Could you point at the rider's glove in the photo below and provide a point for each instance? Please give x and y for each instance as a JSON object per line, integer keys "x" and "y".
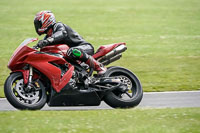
{"x": 46, "y": 42}
{"x": 42, "y": 43}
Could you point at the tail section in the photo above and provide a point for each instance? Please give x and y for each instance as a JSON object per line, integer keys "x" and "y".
{"x": 113, "y": 55}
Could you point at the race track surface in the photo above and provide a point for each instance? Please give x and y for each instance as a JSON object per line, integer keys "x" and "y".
{"x": 150, "y": 100}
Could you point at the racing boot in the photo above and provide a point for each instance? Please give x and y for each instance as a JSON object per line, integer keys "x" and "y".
{"x": 97, "y": 66}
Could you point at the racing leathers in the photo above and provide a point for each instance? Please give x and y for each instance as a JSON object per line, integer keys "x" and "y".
{"x": 79, "y": 48}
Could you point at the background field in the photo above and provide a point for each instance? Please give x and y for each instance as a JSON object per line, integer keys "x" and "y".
{"x": 163, "y": 36}
{"x": 184, "y": 120}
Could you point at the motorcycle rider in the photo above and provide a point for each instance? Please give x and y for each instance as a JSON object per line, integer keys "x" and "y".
{"x": 59, "y": 33}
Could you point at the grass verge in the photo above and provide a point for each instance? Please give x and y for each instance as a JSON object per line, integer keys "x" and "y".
{"x": 181, "y": 120}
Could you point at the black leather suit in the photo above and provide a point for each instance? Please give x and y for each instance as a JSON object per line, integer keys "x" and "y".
{"x": 63, "y": 34}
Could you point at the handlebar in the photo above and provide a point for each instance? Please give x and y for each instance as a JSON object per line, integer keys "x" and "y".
{"x": 35, "y": 47}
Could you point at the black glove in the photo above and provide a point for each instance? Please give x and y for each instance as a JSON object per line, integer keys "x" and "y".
{"x": 42, "y": 43}
{"x": 46, "y": 42}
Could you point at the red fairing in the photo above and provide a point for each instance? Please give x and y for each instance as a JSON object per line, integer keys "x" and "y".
{"x": 65, "y": 79}
{"x": 103, "y": 50}
{"x": 17, "y": 60}
{"x": 42, "y": 62}
{"x": 59, "y": 49}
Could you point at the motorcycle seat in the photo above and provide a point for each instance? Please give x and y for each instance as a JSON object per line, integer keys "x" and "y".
{"x": 103, "y": 50}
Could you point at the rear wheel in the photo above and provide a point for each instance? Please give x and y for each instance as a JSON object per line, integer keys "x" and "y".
{"x": 133, "y": 94}
{"x": 16, "y": 94}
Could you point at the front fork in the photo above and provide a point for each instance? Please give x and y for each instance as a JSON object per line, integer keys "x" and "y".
{"x": 30, "y": 74}
{"x": 27, "y": 75}
{"x": 30, "y": 77}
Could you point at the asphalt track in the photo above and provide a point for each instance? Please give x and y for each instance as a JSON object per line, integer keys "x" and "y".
{"x": 150, "y": 100}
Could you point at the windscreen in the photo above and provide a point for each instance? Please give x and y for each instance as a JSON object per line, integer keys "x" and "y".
{"x": 27, "y": 41}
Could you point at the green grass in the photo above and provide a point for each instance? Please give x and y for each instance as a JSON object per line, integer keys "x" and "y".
{"x": 185, "y": 120}
{"x": 163, "y": 36}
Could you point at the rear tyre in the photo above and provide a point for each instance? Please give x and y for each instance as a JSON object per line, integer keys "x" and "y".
{"x": 132, "y": 97}
{"x": 15, "y": 93}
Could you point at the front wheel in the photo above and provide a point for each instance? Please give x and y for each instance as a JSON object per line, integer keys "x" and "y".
{"x": 132, "y": 96}
{"x": 16, "y": 94}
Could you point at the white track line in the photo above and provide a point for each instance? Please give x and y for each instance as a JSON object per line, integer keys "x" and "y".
{"x": 167, "y": 92}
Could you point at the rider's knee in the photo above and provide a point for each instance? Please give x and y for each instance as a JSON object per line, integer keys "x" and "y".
{"x": 74, "y": 53}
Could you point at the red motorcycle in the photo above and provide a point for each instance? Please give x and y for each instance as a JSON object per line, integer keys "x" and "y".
{"x": 48, "y": 76}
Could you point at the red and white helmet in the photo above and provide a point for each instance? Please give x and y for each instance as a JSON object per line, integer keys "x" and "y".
{"x": 43, "y": 21}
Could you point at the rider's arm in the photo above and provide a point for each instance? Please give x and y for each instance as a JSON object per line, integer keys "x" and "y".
{"x": 59, "y": 34}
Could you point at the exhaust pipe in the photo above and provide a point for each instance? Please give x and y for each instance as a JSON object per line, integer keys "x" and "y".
{"x": 113, "y": 53}
{"x": 108, "y": 61}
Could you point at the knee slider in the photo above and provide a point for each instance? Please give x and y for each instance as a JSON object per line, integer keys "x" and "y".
{"x": 74, "y": 52}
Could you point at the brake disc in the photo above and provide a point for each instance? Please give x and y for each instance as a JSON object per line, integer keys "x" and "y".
{"x": 125, "y": 80}
{"x": 33, "y": 95}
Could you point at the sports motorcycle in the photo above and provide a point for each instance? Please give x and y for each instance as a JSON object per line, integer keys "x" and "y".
{"x": 48, "y": 76}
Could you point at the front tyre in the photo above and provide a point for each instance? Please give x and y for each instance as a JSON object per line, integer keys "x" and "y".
{"x": 14, "y": 89}
{"x": 132, "y": 96}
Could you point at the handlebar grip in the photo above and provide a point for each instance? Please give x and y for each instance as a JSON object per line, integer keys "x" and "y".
{"x": 35, "y": 47}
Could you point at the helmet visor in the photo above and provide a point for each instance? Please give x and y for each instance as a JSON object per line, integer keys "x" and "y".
{"x": 38, "y": 26}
